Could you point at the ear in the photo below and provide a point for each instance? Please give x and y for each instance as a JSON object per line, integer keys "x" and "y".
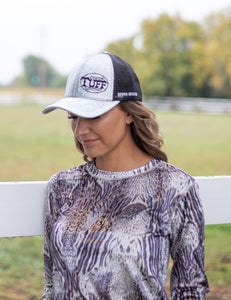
{"x": 129, "y": 119}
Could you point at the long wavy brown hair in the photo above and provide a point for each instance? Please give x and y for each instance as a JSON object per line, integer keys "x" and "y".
{"x": 144, "y": 129}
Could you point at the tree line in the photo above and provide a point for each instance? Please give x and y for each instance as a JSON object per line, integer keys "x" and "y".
{"x": 171, "y": 56}
{"x": 38, "y": 72}
{"x": 174, "y": 57}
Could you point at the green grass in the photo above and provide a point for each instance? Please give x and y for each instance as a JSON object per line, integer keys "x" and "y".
{"x": 21, "y": 265}
{"x": 34, "y": 146}
{"x": 218, "y": 254}
{"x": 198, "y": 143}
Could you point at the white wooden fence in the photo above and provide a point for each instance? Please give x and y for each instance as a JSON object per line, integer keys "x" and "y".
{"x": 22, "y": 204}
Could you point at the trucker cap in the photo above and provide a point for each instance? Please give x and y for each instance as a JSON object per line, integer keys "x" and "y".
{"x": 97, "y": 85}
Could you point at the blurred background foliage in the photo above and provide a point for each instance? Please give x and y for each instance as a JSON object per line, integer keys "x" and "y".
{"x": 39, "y": 73}
{"x": 173, "y": 57}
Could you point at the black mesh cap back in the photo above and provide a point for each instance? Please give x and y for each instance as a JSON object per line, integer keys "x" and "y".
{"x": 126, "y": 82}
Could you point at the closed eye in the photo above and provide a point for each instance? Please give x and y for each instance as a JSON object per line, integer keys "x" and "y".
{"x": 74, "y": 117}
{"x": 71, "y": 117}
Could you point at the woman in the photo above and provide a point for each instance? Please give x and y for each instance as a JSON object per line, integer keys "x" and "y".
{"x": 112, "y": 223}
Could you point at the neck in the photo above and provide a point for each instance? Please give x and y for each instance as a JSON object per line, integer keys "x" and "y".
{"x": 130, "y": 159}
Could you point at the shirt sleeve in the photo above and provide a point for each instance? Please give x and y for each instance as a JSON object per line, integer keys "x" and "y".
{"x": 49, "y": 216}
{"x": 188, "y": 278}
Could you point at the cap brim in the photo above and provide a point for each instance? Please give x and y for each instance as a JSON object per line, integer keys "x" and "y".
{"x": 84, "y": 108}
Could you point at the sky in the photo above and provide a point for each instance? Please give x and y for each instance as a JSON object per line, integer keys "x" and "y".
{"x": 65, "y": 32}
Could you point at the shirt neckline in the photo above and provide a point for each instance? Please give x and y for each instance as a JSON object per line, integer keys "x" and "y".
{"x": 95, "y": 172}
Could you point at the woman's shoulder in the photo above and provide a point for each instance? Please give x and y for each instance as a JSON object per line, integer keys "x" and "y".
{"x": 67, "y": 176}
{"x": 174, "y": 177}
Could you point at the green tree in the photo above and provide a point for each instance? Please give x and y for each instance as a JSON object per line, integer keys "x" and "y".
{"x": 168, "y": 44}
{"x": 124, "y": 48}
{"x": 163, "y": 60}
{"x": 38, "y": 72}
{"x": 181, "y": 58}
{"x": 218, "y": 52}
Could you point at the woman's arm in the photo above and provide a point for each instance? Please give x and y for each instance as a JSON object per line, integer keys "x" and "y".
{"x": 48, "y": 264}
{"x": 49, "y": 212}
{"x": 188, "y": 279}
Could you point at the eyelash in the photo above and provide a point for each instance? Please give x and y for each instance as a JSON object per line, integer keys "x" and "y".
{"x": 72, "y": 117}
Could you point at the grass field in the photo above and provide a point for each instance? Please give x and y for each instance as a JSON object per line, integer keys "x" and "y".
{"x": 34, "y": 146}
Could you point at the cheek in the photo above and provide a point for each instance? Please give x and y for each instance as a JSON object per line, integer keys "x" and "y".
{"x": 73, "y": 125}
{"x": 116, "y": 132}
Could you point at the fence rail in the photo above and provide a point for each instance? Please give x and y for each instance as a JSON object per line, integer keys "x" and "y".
{"x": 183, "y": 104}
{"x": 22, "y": 204}
{"x": 190, "y": 105}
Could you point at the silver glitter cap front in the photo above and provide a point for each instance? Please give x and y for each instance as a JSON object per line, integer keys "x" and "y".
{"x": 89, "y": 89}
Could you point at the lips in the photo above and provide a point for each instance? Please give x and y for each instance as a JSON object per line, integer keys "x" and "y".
{"x": 88, "y": 142}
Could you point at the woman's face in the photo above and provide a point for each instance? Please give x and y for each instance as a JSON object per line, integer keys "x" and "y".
{"x": 103, "y": 137}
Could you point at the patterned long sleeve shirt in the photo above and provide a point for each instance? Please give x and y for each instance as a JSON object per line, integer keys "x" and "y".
{"x": 109, "y": 235}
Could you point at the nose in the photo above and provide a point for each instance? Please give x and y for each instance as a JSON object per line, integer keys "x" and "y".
{"x": 80, "y": 126}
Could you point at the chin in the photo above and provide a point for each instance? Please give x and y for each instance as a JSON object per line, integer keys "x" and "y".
{"x": 91, "y": 155}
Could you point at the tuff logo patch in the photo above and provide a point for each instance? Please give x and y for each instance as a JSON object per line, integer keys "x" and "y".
{"x": 94, "y": 83}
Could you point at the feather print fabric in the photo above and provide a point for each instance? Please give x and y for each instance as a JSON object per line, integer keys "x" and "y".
{"x": 108, "y": 235}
